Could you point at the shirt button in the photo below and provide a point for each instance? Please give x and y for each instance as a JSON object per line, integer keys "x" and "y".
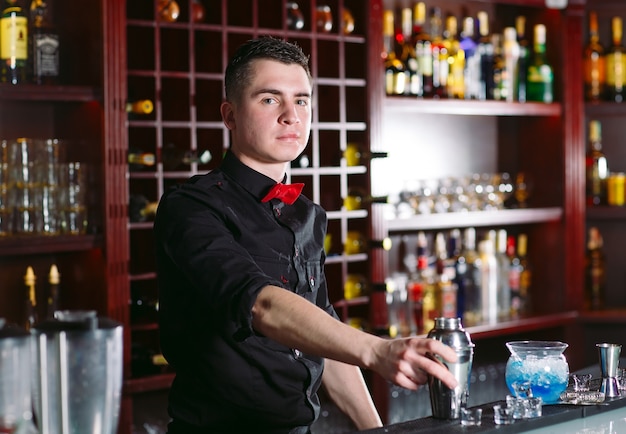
{"x": 312, "y": 282}
{"x": 297, "y": 353}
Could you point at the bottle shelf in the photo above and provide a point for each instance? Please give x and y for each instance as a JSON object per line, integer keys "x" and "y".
{"x": 503, "y": 217}
{"x": 148, "y": 383}
{"x": 606, "y": 213}
{"x": 470, "y": 108}
{"x": 605, "y": 108}
{"x": 608, "y": 316}
{"x": 29, "y": 245}
{"x": 46, "y": 93}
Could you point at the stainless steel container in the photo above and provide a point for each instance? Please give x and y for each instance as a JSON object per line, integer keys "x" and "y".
{"x": 78, "y": 374}
{"x": 15, "y": 374}
{"x": 446, "y": 403}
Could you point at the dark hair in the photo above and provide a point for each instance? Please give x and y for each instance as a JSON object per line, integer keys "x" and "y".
{"x": 238, "y": 72}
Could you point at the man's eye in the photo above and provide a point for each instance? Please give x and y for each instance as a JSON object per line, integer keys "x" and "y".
{"x": 303, "y": 102}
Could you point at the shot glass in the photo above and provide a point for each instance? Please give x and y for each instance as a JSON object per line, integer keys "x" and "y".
{"x": 502, "y": 415}
{"x": 517, "y": 405}
{"x": 471, "y": 416}
{"x": 581, "y": 382}
{"x": 534, "y": 407}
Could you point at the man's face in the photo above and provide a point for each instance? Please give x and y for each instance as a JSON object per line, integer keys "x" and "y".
{"x": 271, "y": 122}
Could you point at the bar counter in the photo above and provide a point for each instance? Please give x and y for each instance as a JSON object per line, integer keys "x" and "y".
{"x": 556, "y": 419}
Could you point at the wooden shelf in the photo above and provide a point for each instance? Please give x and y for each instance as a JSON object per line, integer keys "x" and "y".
{"x": 30, "y": 245}
{"x": 472, "y": 108}
{"x": 148, "y": 383}
{"x": 606, "y": 213}
{"x": 35, "y": 93}
{"x": 610, "y": 316}
{"x": 475, "y": 219}
{"x": 522, "y": 325}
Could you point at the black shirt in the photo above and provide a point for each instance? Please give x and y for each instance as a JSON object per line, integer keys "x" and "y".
{"x": 217, "y": 246}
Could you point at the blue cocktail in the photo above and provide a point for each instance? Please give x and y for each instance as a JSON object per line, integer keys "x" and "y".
{"x": 541, "y": 364}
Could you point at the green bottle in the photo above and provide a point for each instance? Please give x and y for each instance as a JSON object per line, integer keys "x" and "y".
{"x": 13, "y": 42}
{"x": 540, "y": 77}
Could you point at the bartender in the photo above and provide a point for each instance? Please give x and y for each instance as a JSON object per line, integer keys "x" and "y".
{"x": 245, "y": 319}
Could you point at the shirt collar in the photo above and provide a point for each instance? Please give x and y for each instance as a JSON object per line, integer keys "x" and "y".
{"x": 251, "y": 180}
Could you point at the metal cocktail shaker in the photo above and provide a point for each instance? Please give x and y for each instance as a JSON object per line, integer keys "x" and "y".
{"x": 446, "y": 403}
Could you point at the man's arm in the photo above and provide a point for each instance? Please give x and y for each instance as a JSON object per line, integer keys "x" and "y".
{"x": 295, "y": 322}
{"x": 346, "y": 387}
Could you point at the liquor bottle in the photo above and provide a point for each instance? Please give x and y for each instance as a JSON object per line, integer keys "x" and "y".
{"x": 54, "y": 279}
{"x": 524, "y": 58}
{"x": 44, "y": 44}
{"x": 445, "y": 289}
{"x": 595, "y": 271}
{"x": 485, "y": 51}
{"x": 510, "y": 74}
{"x": 423, "y": 49}
{"x": 504, "y": 292}
{"x": 31, "y": 298}
{"x": 357, "y": 199}
{"x": 438, "y": 55}
{"x": 455, "y": 247}
{"x": 395, "y": 79}
{"x": 412, "y": 86}
{"x": 520, "y": 274}
{"x": 471, "y": 72}
{"x": 198, "y": 12}
{"x": 596, "y": 167}
{"x": 616, "y": 64}
{"x": 355, "y": 156}
{"x": 175, "y": 158}
{"x": 594, "y": 62}
{"x": 13, "y": 42}
{"x": 168, "y": 11}
{"x": 425, "y": 286}
{"x": 140, "y": 209}
{"x": 467, "y": 271}
{"x": 540, "y": 76}
{"x": 498, "y": 68}
{"x": 140, "y": 107}
{"x": 455, "y": 59}
{"x": 295, "y": 17}
{"x": 487, "y": 267}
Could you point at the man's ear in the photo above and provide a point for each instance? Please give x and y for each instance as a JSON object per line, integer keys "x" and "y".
{"x": 228, "y": 116}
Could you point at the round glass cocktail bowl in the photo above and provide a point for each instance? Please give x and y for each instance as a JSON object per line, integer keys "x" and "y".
{"x": 540, "y": 364}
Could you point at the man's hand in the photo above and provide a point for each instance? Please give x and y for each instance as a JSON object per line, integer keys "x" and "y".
{"x": 406, "y": 361}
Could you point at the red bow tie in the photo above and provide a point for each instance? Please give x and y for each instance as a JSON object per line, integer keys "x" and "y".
{"x": 288, "y": 193}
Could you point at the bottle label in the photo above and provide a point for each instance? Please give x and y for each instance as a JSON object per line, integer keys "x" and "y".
{"x": 46, "y": 55}
{"x": 13, "y": 38}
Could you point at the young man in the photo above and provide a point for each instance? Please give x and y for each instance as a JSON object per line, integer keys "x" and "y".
{"x": 245, "y": 317}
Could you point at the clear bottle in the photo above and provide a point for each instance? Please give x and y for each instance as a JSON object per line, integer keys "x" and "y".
{"x": 13, "y": 43}
{"x": 395, "y": 79}
{"x": 408, "y": 57}
{"x": 470, "y": 275}
{"x": 594, "y": 63}
{"x": 595, "y": 271}
{"x": 439, "y": 55}
{"x": 596, "y": 167}
{"x": 504, "y": 291}
{"x": 487, "y": 266}
{"x": 471, "y": 73}
{"x": 510, "y": 74}
{"x": 498, "y": 68}
{"x": 421, "y": 42}
{"x": 616, "y": 64}
{"x": 540, "y": 75}
{"x": 524, "y": 58}
{"x": 486, "y": 52}
{"x": 44, "y": 44}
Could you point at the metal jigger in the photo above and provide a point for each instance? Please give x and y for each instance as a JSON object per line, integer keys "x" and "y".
{"x": 609, "y": 362}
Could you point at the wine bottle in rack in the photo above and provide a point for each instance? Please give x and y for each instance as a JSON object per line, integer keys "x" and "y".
{"x": 139, "y": 160}
{"x": 140, "y": 107}
{"x": 140, "y": 209}
{"x": 354, "y": 286}
{"x": 44, "y": 44}
{"x": 30, "y": 299}
{"x": 14, "y": 46}
{"x": 357, "y": 199}
{"x": 355, "y": 156}
{"x": 355, "y": 243}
